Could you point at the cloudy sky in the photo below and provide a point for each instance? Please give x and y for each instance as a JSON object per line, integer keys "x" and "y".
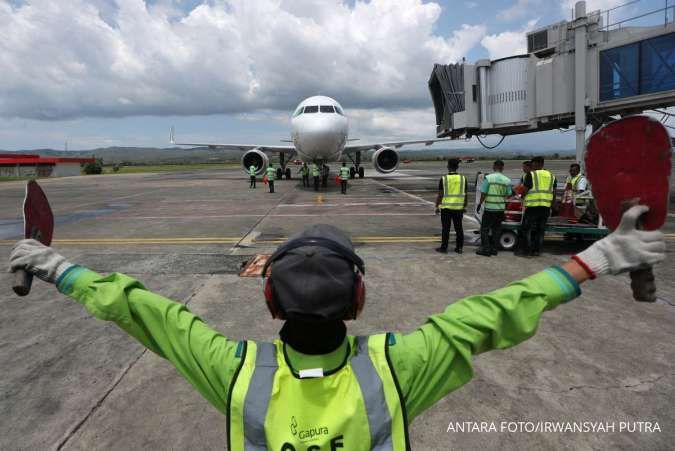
{"x": 120, "y": 72}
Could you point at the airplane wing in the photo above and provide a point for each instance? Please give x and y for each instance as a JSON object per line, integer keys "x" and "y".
{"x": 395, "y": 144}
{"x": 242, "y": 147}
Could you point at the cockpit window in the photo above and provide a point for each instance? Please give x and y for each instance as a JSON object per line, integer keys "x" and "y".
{"x": 311, "y": 109}
{"x": 327, "y": 109}
{"x": 298, "y": 112}
{"x": 338, "y": 110}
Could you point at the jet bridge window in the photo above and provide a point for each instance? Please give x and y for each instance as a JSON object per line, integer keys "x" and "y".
{"x": 311, "y": 109}
{"x": 327, "y": 109}
{"x": 643, "y": 67}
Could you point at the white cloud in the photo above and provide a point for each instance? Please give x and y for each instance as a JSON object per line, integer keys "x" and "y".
{"x": 520, "y": 9}
{"x": 508, "y": 43}
{"x": 470, "y": 5}
{"x": 85, "y": 58}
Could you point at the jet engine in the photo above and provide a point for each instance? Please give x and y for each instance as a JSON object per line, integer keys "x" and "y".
{"x": 385, "y": 160}
{"x": 256, "y": 158}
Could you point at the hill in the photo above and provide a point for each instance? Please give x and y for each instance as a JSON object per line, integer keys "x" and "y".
{"x": 176, "y": 155}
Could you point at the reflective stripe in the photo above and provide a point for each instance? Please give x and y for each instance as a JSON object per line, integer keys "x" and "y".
{"x": 453, "y": 194}
{"x": 541, "y": 194}
{"x": 258, "y": 397}
{"x": 379, "y": 420}
{"x": 495, "y": 198}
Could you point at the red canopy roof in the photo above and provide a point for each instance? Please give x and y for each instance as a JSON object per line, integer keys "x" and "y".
{"x": 14, "y": 159}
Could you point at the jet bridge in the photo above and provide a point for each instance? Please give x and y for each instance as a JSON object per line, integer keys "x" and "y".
{"x": 574, "y": 73}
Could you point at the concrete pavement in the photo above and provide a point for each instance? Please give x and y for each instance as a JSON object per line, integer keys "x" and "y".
{"x": 72, "y": 382}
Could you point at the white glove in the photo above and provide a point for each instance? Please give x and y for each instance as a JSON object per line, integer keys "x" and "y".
{"x": 626, "y": 248}
{"x": 40, "y": 260}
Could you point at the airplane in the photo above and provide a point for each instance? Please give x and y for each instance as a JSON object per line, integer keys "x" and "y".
{"x": 319, "y": 132}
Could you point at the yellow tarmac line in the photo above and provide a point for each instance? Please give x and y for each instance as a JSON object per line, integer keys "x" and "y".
{"x": 235, "y": 240}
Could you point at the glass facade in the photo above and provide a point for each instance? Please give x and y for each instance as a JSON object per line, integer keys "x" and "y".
{"x": 640, "y": 68}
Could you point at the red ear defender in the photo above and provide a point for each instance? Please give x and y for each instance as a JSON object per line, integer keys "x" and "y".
{"x": 359, "y": 297}
{"x": 272, "y": 306}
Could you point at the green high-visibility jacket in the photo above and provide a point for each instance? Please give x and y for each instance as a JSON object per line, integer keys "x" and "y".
{"x": 315, "y": 171}
{"x": 496, "y": 187}
{"x": 252, "y": 170}
{"x": 541, "y": 193}
{"x": 344, "y": 173}
{"x": 454, "y": 192}
{"x": 271, "y": 173}
{"x": 425, "y": 364}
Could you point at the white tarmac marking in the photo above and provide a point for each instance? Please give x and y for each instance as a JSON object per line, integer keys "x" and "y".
{"x": 412, "y": 196}
{"x": 248, "y": 240}
{"x": 281, "y": 215}
{"x": 354, "y": 204}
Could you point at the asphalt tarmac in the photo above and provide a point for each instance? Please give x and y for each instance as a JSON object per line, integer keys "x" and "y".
{"x": 69, "y": 381}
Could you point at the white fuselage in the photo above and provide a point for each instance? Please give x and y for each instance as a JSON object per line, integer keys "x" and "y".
{"x": 319, "y": 129}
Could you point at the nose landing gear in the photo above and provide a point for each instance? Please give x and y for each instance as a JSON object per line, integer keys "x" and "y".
{"x": 357, "y": 168}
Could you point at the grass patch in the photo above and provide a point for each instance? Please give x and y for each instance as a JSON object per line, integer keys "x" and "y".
{"x": 14, "y": 179}
{"x": 168, "y": 168}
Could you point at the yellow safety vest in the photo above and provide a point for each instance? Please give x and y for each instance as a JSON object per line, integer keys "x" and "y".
{"x": 252, "y": 170}
{"x": 498, "y": 189}
{"x": 271, "y": 173}
{"x": 344, "y": 173}
{"x": 454, "y": 192}
{"x": 541, "y": 193}
{"x": 574, "y": 181}
{"x": 315, "y": 171}
{"x": 356, "y": 407}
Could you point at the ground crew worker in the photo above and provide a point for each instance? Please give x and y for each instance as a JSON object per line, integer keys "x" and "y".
{"x": 576, "y": 183}
{"x": 315, "y": 174}
{"x": 324, "y": 176}
{"x": 451, "y": 204}
{"x": 527, "y": 167}
{"x": 271, "y": 175}
{"x": 344, "y": 176}
{"x": 540, "y": 187}
{"x": 252, "y": 171}
{"x": 496, "y": 187}
{"x": 304, "y": 172}
{"x": 317, "y": 387}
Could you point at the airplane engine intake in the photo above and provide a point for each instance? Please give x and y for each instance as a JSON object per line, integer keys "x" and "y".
{"x": 385, "y": 160}
{"x": 256, "y": 158}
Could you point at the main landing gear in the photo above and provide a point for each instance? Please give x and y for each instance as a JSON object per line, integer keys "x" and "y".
{"x": 283, "y": 170}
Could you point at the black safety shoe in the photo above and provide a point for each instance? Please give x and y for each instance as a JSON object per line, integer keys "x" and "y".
{"x": 458, "y": 250}
{"x": 493, "y": 252}
{"x": 442, "y": 250}
{"x": 483, "y": 253}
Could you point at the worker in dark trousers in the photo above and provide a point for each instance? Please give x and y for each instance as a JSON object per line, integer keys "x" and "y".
{"x": 304, "y": 172}
{"x": 495, "y": 189}
{"x": 324, "y": 176}
{"x": 540, "y": 187}
{"x": 344, "y": 176}
{"x": 451, "y": 204}
{"x": 271, "y": 174}
{"x": 315, "y": 175}
{"x": 251, "y": 172}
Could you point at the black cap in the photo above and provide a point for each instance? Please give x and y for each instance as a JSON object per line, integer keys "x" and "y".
{"x": 453, "y": 163}
{"x": 314, "y": 282}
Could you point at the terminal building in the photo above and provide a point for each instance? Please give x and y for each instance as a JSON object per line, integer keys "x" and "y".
{"x": 575, "y": 73}
{"x": 22, "y": 165}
